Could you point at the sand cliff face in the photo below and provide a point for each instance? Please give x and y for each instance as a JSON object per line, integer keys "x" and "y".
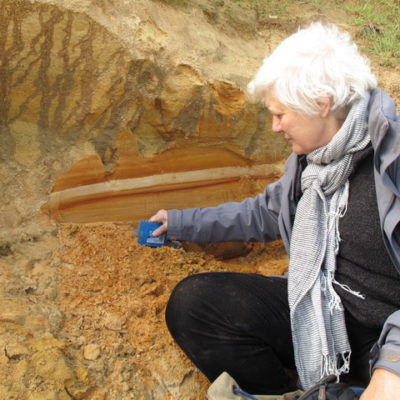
{"x": 110, "y": 110}
{"x": 92, "y": 91}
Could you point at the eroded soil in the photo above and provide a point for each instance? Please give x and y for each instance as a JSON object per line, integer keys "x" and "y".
{"x": 113, "y": 293}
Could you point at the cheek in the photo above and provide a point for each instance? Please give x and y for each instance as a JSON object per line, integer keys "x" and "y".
{"x": 287, "y": 126}
{"x": 291, "y": 122}
{"x": 282, "y": 122}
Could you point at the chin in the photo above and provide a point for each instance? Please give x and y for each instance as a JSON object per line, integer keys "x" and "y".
{"x": 298, "y": 151}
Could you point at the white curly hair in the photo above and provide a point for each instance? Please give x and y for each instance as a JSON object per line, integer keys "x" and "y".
{"x": 314, "y": 63}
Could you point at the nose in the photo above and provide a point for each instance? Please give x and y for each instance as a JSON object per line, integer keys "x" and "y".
{"x": 276, "y": 124}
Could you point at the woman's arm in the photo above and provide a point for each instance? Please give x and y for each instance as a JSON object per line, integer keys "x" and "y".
{"x": 261, "y": 218}
{"x": 385, "y": 381}
{"x": 384, "y": 385}
{"x": 254, "y": 219}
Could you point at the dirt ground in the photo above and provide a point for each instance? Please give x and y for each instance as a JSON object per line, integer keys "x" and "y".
{"x": 113, "y": 294}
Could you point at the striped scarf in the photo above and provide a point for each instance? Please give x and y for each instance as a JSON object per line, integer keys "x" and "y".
{"x": 320, "y": 339}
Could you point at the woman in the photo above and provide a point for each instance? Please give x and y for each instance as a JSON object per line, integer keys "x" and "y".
{"x": 337, "y": 210}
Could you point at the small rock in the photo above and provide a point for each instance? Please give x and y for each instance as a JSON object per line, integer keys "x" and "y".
{"x": 77, "y": 390}
{"x": 80, "y": 341}
{"x": 50, "y": 293}
{"x": 13, "y": 311}
{"x": 113, "y": 322}
{"x": 39, "y": 269}
{"x": 91, "y": 352}
{"x": 55, "y": 262}
{"x": 15, "y": 351}
{"x": 125, "y": 387}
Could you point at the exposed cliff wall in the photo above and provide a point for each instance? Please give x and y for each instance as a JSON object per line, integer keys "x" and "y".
{"x": 103, "y": 87}
{"x": 110, "y": 110}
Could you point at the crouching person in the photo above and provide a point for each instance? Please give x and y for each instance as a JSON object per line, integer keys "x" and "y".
{"x": 337, "y": 210}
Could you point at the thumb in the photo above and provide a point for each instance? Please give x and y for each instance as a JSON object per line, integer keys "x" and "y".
{"x": 160, "y": 230}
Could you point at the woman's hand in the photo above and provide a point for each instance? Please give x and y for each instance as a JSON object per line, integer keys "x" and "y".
{"x": 384, "y": 385}
{"x": 162, "y": 217}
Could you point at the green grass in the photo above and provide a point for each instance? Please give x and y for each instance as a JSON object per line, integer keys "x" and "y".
{"x": 379, "y": 22}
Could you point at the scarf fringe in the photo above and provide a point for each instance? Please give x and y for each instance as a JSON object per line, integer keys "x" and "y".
{"x": 330, "y": 366}
{"x": 335, "y": 302}
{"x": 349, "y": 290}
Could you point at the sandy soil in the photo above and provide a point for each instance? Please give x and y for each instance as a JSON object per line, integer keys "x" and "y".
{"x": 113, "y": 294}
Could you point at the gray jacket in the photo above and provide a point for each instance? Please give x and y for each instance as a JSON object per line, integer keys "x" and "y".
{"x": 269, "y": 215}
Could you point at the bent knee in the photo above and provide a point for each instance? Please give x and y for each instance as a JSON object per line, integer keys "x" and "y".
{"x": 186, "y": 292}
{"x": 186, "y": 299}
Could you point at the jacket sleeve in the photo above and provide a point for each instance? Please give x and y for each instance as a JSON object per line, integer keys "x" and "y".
{"x": 384, "y": 128}
{"x": 254, "y": 219}
{"x": 383, "y": 119}
{"x": 386, "y": 352}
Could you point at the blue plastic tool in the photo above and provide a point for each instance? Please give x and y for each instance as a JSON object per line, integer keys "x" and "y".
{"x": 144, "y": 237}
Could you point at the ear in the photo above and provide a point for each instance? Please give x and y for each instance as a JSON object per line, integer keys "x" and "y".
{"x": 326, "y": 105}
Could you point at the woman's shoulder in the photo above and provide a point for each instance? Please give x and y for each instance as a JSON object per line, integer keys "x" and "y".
{"x": 383, "y": 121}
{"x": 382, "y": 104}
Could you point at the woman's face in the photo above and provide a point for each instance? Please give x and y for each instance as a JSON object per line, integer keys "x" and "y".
{"x": 304, "y": 133}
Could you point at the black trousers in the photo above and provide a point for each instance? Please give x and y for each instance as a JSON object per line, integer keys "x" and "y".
{"x": 240, "y": 323}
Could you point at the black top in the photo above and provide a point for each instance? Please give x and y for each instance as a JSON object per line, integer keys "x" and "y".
{"x": 363, "y": 262}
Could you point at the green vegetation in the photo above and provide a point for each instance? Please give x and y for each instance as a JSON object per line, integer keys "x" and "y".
{"x": 379, "y": 21}
{"x": 375, "y": 24}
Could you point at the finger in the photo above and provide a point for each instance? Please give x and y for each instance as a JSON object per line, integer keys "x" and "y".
{"x": 159, "y": 216}
{"x": 160, "y": 230}
{"x": 154, "y": 218}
